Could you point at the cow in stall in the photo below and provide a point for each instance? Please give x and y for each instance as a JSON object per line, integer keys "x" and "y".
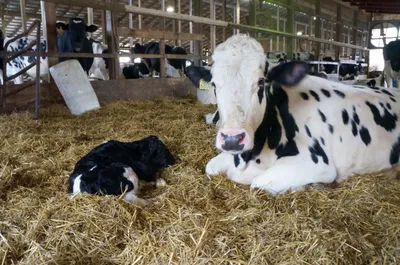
{"x": 280, "y": 129}
{"x": 172, "y": 66}
{"x": 73, "y": 39}
{"x": 391, "y": 55}
{"x": 297, "y": 56}
{"x": 346, "y": 71}
{"x": 21, "y": 62}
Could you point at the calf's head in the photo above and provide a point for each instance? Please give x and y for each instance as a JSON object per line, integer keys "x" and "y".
{"x": 242, "y": 89}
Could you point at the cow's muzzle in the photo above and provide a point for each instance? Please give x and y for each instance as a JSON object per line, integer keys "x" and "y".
{"x": 233, "y": 140}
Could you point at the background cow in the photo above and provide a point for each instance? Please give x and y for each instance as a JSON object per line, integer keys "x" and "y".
{"x": 391, "y": 55}
{"x": 346, "y": 71}
{"x": 21, "y": 62}
{"x": 73, "y": 38}
{"x": 285, "y": 129}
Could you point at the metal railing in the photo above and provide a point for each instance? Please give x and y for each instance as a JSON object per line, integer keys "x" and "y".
{"x": 7, "y": 58}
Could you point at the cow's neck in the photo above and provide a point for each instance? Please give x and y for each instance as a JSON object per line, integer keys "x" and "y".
{"x": 277, "y": 129}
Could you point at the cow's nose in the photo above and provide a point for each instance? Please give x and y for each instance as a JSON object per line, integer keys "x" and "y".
{"x": 232, "y": 140}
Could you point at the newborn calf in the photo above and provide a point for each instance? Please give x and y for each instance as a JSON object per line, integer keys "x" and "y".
{"x": 115, "y": 167}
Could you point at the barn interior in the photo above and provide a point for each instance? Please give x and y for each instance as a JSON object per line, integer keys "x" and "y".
{"x": 199, "y": 220}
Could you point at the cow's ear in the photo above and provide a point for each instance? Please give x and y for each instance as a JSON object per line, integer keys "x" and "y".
{"x": 61, "y": 25}
{"x": 91, "y": 28}
{"x": 289, "y": 74}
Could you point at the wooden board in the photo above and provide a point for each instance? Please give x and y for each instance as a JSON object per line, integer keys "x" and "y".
{"x": 158, "y": 34}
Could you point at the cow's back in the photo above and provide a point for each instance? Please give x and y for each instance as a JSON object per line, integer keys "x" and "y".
{"x": 357, "y": 127}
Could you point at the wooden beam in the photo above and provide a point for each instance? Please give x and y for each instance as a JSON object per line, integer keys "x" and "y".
{"x": 290, "y": 28}
{"x": 317, "y": 33}
{"x": 158, "y": 13}
{"x": 158, "y": 34}
{"x": 212, "y": 28}
{"x": 223, "y": 19}
{"x": 162, "y": 59}
{"x": 114, "y": 6}
{"x": 90, "y": 20}
{"x": 197, "y": 29}
{"x": 354, "y": 34}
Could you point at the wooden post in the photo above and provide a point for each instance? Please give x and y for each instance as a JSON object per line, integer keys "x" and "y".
{"x": 224, "y": 19}
{"x": 339, "y": 29}
{"x": 51, "y": 31}
{"x": 191, "y": 25}
{"x": 103, "y": 26}
{"x": 278, "y": 22}
{"x": 179, "y": 22}
{"x": 45, "y": 34}
{"x": 23, "y": 14}
{"x": 3, "y": 24}
{"x": 90, "y": 20}
{"x": 354, "y": 35}
{"x": 318, "y": 27}
{"x": 237, "y": 16}
{"x": 112, "y": 42}
{"x": 290, "y": 28}
{"x": 212, "y": 28}
{"x": 131, "y": 27}
{"x": 140, "y": 22}
{"x": 162, "y": 59}
{"x": 197, "y": 28}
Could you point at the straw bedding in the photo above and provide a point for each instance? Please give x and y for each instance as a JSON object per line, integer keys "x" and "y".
{"x": 198, "y": 221}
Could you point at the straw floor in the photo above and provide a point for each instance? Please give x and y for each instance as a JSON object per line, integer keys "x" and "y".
{"x": 198, "y": 221}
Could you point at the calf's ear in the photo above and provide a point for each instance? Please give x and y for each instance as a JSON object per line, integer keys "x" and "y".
{"x": 91, "y": 28}
{"x": 61, "y": 25}
{"x": 289, "y": 74}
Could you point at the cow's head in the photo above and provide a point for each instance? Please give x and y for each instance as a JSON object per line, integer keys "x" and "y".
{"x": 391, "y": 52}
{"x": 77, "y": 30}
{"x": 241, "y": 79}
{"x": 238, "y": 68}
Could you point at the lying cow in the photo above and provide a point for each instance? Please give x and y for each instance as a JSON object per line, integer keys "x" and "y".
{"x": 391, "y": 55}
{"x": 285, "y": 129}
{"x": 115, "y": 167}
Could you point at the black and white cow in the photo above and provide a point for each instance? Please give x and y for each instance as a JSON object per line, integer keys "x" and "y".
{"x": 73, "y": 38}
{"x": 172, "y": 65}
{"x": 297, "y": 56}
{"x": 21, "y": 62}
{"x": 391, "y": 55}
{"x": 115, "y": 167}
{"x": 287, "y": 129}
{"x": 346, "y": 71}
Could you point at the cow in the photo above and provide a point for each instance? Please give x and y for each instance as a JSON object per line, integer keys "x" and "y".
{"x": 135, "y": 71}
{"x": 391, "y": 55}
{"x": 21, "y": 62}
{"x": 73, "y": 39}
{"x": 346, "y": 71}
{"x": 115, "y": 167}
{"x": 154, "y": 63}
{"x": 280, "y": 129}
{"x": 297, "y": 56}
{"x": 99, "y": 68}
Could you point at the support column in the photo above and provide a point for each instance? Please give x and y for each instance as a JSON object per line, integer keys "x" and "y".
{"x": 339, "y": 29}
{"x": 112, "y": 42}
{"x": 191, "y": 24}
{"x": 197, "y": 28}
{"x": 50, "y": 20}
{"x": 140, "y": 22}
{"x": 179, "y": 22}
{"x": 23, "y": 14}
{"x": 237, "y": 15}
{"x": 354, "y": 37}
{"x": 212, "y": 28}
{"x": 90, "y": 20}
{"x": 318, "y": 27}
{"x": 224, "y": 19}
{"x": 290, "y": 28}
{"x": 130, "y": 25}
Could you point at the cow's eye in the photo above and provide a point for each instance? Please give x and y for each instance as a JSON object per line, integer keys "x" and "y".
{"x": 213, "y": 84}
{"x": 261, "y": 81}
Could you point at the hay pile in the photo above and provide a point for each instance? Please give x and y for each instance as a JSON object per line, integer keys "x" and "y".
{"x": 199, "y": 220}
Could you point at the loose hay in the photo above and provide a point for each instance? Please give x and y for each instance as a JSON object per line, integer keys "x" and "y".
{"x": 198, "y": 221}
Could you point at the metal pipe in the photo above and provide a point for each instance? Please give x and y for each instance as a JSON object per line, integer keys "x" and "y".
{"x": 37, "y": 85}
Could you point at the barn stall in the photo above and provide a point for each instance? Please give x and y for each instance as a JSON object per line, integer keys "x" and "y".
{"x": 199, "y": 220}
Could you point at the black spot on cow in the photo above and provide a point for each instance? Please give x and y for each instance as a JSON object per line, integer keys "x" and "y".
{"x": 247, "y": 156}
{"x": 387, "y": 121}
{"x": 354, "y": 128}
{"x": 374, "y": 88}
{"x": 316, "y": 150}
{"x": 388, "y": 106}
{"x": 326, "y": 93}
{"x": 382, "y": 105}
{"x": 393, "y": 99}
{"x": 339, "y": 93}
{"x": 330, "y": 128}
{"x": 308, "y": 131}
{"x": 258, "y": 161}
{"x": 260, "y": 93}
{"x": 340, "y": 138}
{"x": 323, "y": 117}
{"x": 395, "y": 152}
{"x": 304, "y": 95}
{"x": 314, "y": 94}
{"x": 377, "y": 92}
{"x": 387, "y": 93}
{"x": 287, "y": 149}
{"x": 322, "y": 140}
{"x": 355, "y": 116}
{"x": 345, "y": 117}
{"x": 365, "y": 136}
{"x": 236, "y": 160}
{"x": 216, "y": 118}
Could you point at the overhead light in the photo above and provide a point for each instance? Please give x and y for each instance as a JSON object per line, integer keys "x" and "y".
{"x": 170, "y": 9}
{"x": 299, "y": 33}
{"x": 315, "y": 18}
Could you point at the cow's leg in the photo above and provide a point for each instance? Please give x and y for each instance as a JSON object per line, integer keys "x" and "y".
{"x": 389, "y": 81}
{"x": 293, "y": 173}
